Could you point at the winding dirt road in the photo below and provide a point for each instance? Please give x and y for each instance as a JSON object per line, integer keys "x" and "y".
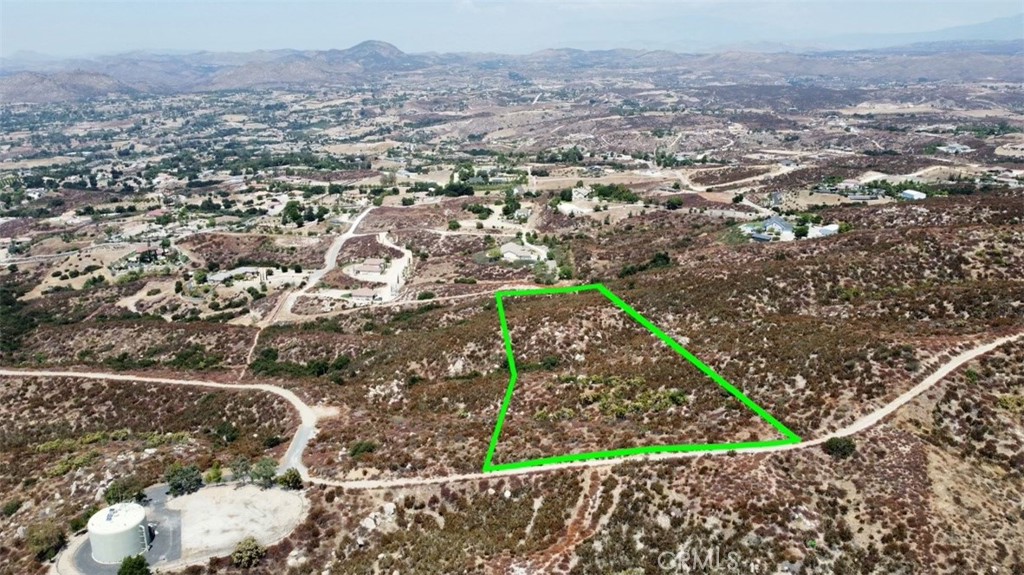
{"x": 310, "y": 416}
{"x": 284, "y": 307}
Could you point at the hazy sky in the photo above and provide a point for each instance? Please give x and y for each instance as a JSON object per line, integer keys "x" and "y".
{"x": 90, "y": 27}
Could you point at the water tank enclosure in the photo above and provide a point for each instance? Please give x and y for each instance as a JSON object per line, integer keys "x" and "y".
{"x": 117, "y": 532}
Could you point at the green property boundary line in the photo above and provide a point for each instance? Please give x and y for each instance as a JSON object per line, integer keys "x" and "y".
{"x": 489, "y": 466}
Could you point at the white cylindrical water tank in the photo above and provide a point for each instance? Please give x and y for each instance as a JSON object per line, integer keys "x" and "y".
{"x": 117, "y": 532}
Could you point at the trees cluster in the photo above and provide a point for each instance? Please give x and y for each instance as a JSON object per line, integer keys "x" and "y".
{"x": 511, "y": 205}
{"x": 482, "y": 212}
{"x": 453, "y": 189}
{"x": 571, "y": 156}
{"x": 183, "y": 479}
{"x": 658, "y": 260}
{"x": 267, "y": 363}
{"x": 293, "y": 213}
{"x": 614, "y": 193}
{"x": 263, "y": 473}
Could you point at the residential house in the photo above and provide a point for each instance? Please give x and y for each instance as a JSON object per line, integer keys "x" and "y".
{"x": 954, "y": 148}
{"x": 513, "y": 252}
{"x": 913, "y": 195}
{"x": 822, "y": 231}
{"x": 778, "y": 225}
{"x": 364, "y": 294}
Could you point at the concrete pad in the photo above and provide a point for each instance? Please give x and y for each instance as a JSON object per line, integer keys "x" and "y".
{"x": 216, "y": 518}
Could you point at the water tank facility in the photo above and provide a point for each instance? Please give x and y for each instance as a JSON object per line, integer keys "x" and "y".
{"x": 117, "y": 532}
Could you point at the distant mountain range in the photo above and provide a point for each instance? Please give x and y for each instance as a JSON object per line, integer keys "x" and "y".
{"x": 954, "y": 54}
{"x": 998, "y": 30}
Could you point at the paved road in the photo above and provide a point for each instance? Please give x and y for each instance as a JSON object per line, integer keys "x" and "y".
{"x": 309, "y": 418}
{"x": 286, "y": 304}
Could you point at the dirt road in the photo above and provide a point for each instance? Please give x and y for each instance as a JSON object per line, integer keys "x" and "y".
{"x": 309, "y": 417}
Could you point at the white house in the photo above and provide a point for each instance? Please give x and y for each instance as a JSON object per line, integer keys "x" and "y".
{"x": 822, "y": 231}
{"x": 581, "y": 193}
{"x": 954, "y": 148}
{"x": 514, "y": 252}
{"x": 522, "y": 214}
{"x": 571, "y": 209}
{"x": 364, "y": 294}
{"x": 913, "y": 195}
{"x": 778, "y": 225}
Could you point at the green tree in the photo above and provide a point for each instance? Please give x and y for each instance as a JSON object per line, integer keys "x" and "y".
{"x": 800, "y": 231}
{"x": 453, "y": 225}
{"x": 136, "y": 565}
{"x": 183, "y": 479}
{"x": 290, "y": 479}
{"x": 248, "y": 553}
{"x": 512, "y": 204}
{"x": 292, "y": 213}
{"x": 263, "y": 472}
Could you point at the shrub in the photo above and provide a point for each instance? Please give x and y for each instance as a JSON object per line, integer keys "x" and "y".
{"x": 840, "y": 447}
{"x": 11, "y": 507}
{"x": 426, "y": 295}
{"x": 290, "y": 479}
{"x": 361, "y": 447}
{"x": 215, "y": 474}
{"x": 241, "y": 469}
{"x": 124, "y": 489}
{"x": 182, "y": 479}
{"x": 136, "y": 565}
{"x": 248, "y": 553}
{"x": 80, "y": 521}
{"x": 263, "y": 472}
{"x": 45, "y": 539}
{"x": 453, "y": 225}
